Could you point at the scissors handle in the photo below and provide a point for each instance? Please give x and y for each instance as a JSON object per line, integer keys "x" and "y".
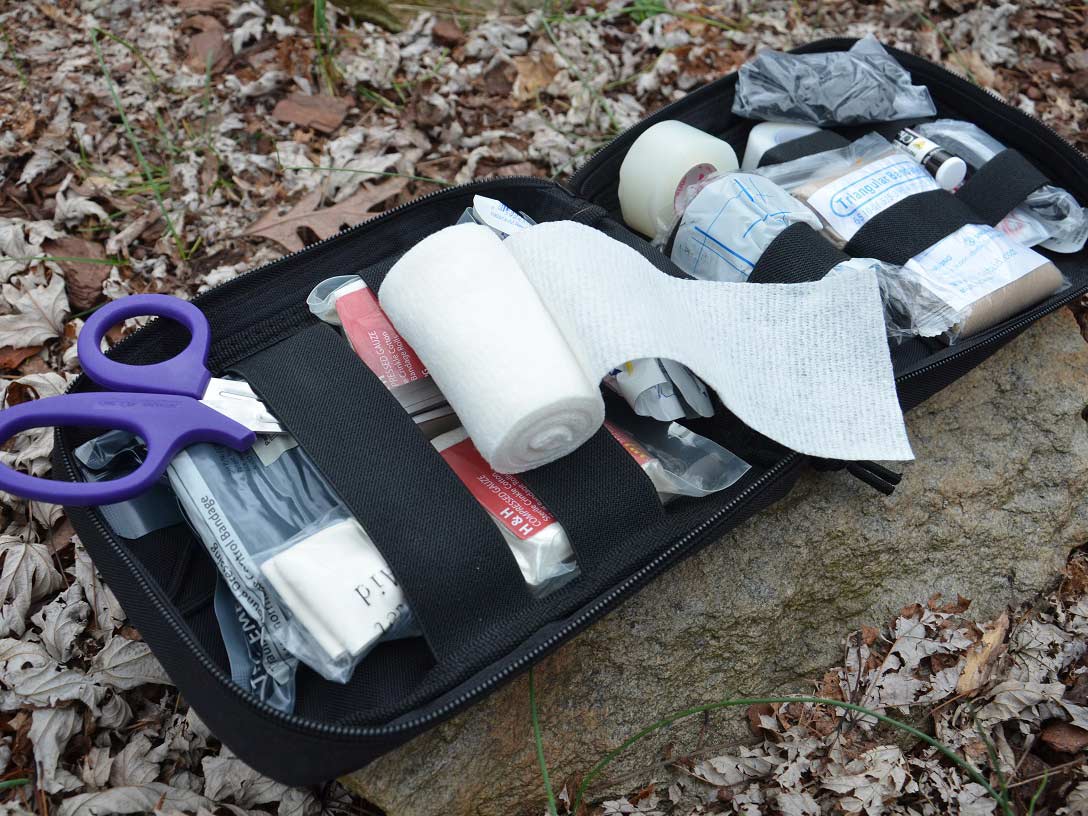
{"x": 185, "y": 373}
{"x": 165, "y": 422}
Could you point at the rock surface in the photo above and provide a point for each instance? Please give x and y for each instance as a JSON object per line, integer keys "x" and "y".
{"x": 990, "y": 510}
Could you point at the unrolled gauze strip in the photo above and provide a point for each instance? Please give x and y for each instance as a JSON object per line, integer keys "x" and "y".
{"x": 805, "y": 364}
{"x": 476, "y": 322}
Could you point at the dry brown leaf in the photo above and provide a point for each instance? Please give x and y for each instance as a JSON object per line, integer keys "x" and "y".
{"x": 324, "y": 223}
{"x": 323, "y": 113}
{"x": 82, "y": 279}
{"x": 11, "y": 358}
{"x": 982, "y": 655}
{"x": 535, "y": 73}
{"x": 1064, "y": 737}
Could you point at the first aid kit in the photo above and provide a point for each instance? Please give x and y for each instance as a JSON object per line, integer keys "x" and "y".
{"x": 343, "y": 575}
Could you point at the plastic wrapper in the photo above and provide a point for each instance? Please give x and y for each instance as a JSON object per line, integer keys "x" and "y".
{"x": 864, "y": 84}
{"x": 966, "y": 283}
{"x": 847, "y": 186}
{"x": 729, "y": 220}
{"x": 257, "y": 664}
{"x": 346, "y": 301}
{"x": 245, "y": 504}
{"x": 1064, "y": 220}
{"x": 969, "y": 281}
{"x": 118, "y": 453}
{"x": 662, "y": 389}
{"x": 306, "y": 578}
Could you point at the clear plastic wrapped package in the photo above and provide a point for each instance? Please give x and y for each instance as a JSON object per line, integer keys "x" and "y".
{"x": 243, "y": 505}
{"x": 965, "y": 283}
{"x": 308, "y": 578}
{"x": 849, "y": 185}
{"x": 346, "y": 301}
{"x": 678, "y": 461}
{"x": 1063, "y": 218}
{"x": 864, "y": 84}
{"x": 728, "y": 221}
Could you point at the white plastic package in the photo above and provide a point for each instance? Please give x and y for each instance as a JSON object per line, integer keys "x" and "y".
{"x": 864, "y": 84}
{"x": 1064, "y": 220}
{"x": 966, "y": 283}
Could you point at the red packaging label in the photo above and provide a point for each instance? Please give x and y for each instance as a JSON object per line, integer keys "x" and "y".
{"x": 504, "y": 496}
{"x": 638, "y": 453}
{"x": 375, "y": 340}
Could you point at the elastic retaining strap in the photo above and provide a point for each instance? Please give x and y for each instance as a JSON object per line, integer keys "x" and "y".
{"x": 455, "y": 569}
{"x": 816, "y": 142}
{"x": 600, "y": 495}
{"x": 798, "y": 254}
{"x": 1000, "y": 185}
{"x": 910, "y": 226}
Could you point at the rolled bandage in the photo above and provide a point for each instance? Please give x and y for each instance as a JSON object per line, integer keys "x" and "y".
{"x": 665, "y": 159}
{"x": 492, "y": 347}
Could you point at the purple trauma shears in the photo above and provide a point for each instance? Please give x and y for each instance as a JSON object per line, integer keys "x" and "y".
{"x": 169, "y": 405}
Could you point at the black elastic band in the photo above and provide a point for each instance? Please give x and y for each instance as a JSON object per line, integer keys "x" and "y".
{"x": 798, "y": 254}
{"x": 600, "y": 495}
{"x": 1000, "y": 185}
{"x": 454, "y": 567}
{"x": 816, "y": 142}
{"x": 909, "y": 226}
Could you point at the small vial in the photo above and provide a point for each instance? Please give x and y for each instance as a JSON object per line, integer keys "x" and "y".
{"x": 948, "y": 170}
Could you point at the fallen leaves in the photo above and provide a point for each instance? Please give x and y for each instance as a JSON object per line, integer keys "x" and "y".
{"x": 38, "y": 312}
{"x": 303, "y": 223}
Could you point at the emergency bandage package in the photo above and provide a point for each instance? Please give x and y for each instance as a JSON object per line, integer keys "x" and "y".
{"x": 864, "y": 84}
{"x": 1064, "y": 221}
{"x": 243, "y": 504}
{"x": 965, "y": 283}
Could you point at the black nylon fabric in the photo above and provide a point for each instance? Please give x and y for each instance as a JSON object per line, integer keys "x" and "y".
{"x": 816, "y": 142}
{"x": 798, "y": 254}
{"x": 456, "y": 571}
{"x": 602, "y": 477}
{"x": 1000, "y": 185}
{"x": 909, "y": 226}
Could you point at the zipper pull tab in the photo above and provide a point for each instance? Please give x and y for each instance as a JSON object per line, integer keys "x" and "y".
{"x": 876, "y": 476}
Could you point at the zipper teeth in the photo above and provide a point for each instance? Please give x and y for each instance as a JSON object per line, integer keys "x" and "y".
{"x": 776, "y": 472}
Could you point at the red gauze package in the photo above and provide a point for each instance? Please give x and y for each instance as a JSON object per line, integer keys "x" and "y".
{"x": 678, "y": 461}
{"x": 347, "y": 302}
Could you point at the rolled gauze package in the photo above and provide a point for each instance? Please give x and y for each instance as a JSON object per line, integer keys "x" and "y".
{"x": 664, "y": 159}
{"x": 492, "y": 347}
{"x": 730, "y": 221}
{"x": 805, "y": 364}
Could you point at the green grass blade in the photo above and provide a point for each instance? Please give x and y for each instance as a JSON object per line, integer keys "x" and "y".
{"x": 539, "y": 741}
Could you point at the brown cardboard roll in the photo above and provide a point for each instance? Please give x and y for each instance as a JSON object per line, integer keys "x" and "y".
{"x": 1011, "y": 299}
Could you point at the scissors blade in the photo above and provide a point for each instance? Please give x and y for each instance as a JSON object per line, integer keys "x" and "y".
{"x": 235, "y": 399}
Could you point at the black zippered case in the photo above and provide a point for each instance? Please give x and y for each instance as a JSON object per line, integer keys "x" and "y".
{"x": 482, "y": 629}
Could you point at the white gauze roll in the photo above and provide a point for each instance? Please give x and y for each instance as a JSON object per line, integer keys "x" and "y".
{"x": 463, "y": 304}
{"x": 664, "y": 159}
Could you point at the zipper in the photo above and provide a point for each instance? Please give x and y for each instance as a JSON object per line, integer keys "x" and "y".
{"x": 874, "y": 474}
